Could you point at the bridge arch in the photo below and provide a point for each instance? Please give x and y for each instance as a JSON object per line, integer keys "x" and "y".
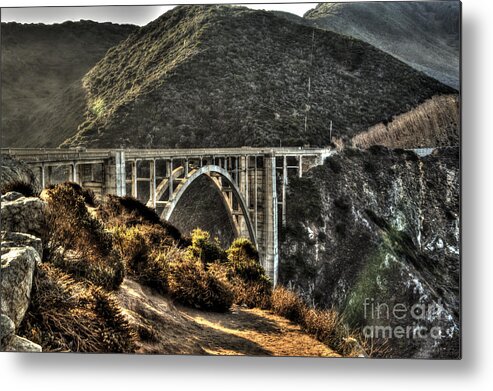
{"x": 219, "y": 177}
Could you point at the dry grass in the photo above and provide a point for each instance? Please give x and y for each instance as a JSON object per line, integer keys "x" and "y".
{"x": 77, "y": 242}
{"x": 128, "y": 211}
{"x": 325, "y": 325}
{"x": 69, "y": 316}
{"x": 434, "y": 123}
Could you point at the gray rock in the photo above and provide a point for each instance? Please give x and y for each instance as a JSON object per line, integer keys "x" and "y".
{"x": 20, "y": 344}
{"x": 19, "y": 239}
{"x": 11, "y": 196}
{"x": 7, "y": 327}
{"x": 25, "y": 214}
{"x": 14, "y": 171}
{"x": 16, "y": 278}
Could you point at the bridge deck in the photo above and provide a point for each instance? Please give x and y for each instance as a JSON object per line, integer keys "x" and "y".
{"x": 35, "y": 155}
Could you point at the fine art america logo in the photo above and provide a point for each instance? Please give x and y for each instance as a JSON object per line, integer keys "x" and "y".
{"x": 409, "y": 317}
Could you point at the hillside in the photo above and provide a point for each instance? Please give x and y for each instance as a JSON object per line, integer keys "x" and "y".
{"x": 202, "y": 76}
{"x": 380, "y": 226}
{"x": 163, "y": 327}
{"x": 425, "y": 35}
{"x": 41, "y": 71}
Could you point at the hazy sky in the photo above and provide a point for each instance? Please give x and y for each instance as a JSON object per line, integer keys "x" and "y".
{"x": 139, "y": 15}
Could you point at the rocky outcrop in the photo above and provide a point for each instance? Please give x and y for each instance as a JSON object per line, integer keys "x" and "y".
{"x": 20, "y": 344}
{"x": 376, "y": 235}
{"x": 19, "y": 239}
{"x": 15, "y": 171}
{"x": 23, "y": 214}
{"x": 17, "y": 268}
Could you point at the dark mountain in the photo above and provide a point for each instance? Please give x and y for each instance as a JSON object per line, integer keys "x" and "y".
{"x": 204, "y": 76}
{"x": 425, "y": 35}
{"x": 41, "y": 71}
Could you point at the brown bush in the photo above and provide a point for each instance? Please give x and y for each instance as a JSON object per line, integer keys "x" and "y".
{"x": 69, "y": 316}
{"x": 128, "y": 211}
{"x": 325, "y": 325}
{"x": 192, "y": 285}
{"x": 78, "y": 243}
{"x": 25, "y": 188}
{"x": 288, "y": 304}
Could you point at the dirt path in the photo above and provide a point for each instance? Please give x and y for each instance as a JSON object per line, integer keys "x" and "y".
{"x": 172, "y": 329}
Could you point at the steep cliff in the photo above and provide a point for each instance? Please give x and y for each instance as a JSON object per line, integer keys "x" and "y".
{"x": 377, "y": 231}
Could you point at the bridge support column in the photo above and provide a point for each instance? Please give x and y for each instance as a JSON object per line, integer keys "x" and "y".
{"x": 134, "y": 178}
{"x": 284, "y": 185}
{"x": 271, "y": 247}
{"x": 43, "y": 179}
{"x": 152, "y": 187}
{"x": 114, "y": 174}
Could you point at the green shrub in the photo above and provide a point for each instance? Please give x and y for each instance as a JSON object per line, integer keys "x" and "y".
{"x": 249, "y": 282}
{"x": 205, "y": 249}
{"x": 69, "y": 316}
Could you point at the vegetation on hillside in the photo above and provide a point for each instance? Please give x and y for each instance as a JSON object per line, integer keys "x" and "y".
{"x": 425, "y": 35}
{"x": 92, "y": 245}
{"x": 434, "y": 123}
{"x": 204, "y": 76}
{"x": 41, "y": 71}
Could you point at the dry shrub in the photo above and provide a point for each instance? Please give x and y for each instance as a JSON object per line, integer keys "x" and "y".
{"x": 25, "y": 188}
{"x": 107, "y": 273}
{"x": 433, "y": 123}
{"x": 146, "y": 253}
{"x": 192, "y": 285}
{"x": 325, "y": 325}
{"x": 328, "y": 327}
{"x": 78, "y": 243}
{"x": 204, "y": 248}
{"x": 69, "y": 316}
{"x": 128, "y": 211}
{"x": 288, "y": 304}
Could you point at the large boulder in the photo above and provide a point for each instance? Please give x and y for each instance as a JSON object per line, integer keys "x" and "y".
{"x": 19, "y": 239}
{"x": 16, "y": 278}
{"x": 13, "y": 171}
{"x": 24, "y": 214}
{"x": 20, "y": 344}
{"x": 7, "y": 327}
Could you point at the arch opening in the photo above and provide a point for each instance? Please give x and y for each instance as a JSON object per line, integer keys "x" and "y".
{"x": 228, "y": 192}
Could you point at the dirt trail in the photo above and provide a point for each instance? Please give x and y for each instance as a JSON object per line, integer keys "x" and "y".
{"x": 166, "y": 328}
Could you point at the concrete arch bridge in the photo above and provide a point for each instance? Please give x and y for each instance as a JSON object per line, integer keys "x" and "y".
{"x": 251, "y": 182}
